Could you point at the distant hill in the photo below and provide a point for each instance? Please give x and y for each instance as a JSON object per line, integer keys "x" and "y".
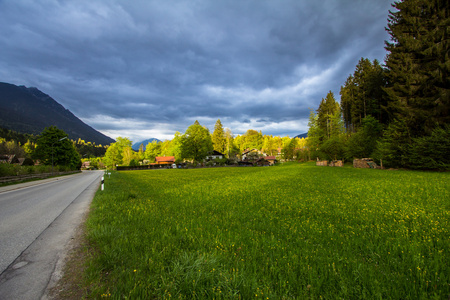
{"x": 303, "y": 135}
{"x": 28, "y": 110}
{"x": 144, "y": 142}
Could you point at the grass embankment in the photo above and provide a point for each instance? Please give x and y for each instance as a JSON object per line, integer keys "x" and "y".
{"x": 294, "y": 231}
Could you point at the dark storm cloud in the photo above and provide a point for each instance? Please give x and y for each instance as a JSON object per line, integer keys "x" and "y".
{"x": 135, "y": 68}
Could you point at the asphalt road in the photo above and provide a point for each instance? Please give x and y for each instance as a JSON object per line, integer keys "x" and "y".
{"x": 37, "y": 222}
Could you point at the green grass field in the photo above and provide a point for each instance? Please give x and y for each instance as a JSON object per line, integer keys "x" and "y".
{"x": 290, "y": 232}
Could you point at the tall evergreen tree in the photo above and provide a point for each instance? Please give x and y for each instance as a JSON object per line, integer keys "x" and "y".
{"x": 315, "y": 135}
{"x": 362, "y": 95}
{"x": 325, "y": 113}
{"x": 218, "y": 137}
{"x": 418, "y": 64}
{"x": 348, "y": 95}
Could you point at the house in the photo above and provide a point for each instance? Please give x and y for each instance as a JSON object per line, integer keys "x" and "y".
{"x": 265, "y": 161}
{"x": 279, "y": 151}
{"x": 214, "y": 155}
{"x": 165, "y": 160}
{"x": 271, "y": 159}
{"x": 261, "y": 162}
{"x": 245, "y": 163}
{"x": 9, "y": 159}
{"x": 25, "y": 161}
{"x": 86, "y": 165}
{"x": 252, "y": 154}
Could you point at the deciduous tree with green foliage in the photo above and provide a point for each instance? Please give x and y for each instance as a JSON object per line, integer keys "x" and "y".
{"x": 175, "y": 146}
{"x": 116, "y": 151}
{"x": 113, "y": 156}
{"x": 153, "y": 150}
{"x": 231, "y": 148}
{"x": 54, "y": 142}
{"x": 252, "y": 139}
{"x": 289, "y": 146}
{"x": 196, "y": 143}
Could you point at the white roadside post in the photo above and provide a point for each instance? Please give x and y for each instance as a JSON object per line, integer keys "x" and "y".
{"x": 103, "y": 183}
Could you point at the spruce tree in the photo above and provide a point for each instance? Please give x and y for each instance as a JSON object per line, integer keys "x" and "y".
{"x": 362, "y": 95}
{"x": 218, "y": 137}
{"x": 418, "y": 64}
{"x": 327, "y": 108}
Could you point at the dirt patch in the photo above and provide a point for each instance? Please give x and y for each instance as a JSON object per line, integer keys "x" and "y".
{"x": 70, "y": 284}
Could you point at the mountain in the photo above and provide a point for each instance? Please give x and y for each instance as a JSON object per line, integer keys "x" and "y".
{"x": 303, "y": 135}
{"x": 28, "y": 110}
{"x": 145, "y": 143}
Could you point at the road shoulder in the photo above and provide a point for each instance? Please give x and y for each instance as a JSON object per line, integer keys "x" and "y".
{"x": 66, "y": 282}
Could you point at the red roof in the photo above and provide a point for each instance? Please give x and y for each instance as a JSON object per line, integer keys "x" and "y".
{"x": 165, "y": 159}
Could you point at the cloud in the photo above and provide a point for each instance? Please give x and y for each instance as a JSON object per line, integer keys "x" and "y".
{"x": 154, "y": 67}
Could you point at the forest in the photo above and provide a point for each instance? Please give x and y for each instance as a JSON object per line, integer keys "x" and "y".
{"x": 397, "y": 113}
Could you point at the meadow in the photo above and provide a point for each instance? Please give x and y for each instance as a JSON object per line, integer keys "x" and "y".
{"x": 295, "y": 231}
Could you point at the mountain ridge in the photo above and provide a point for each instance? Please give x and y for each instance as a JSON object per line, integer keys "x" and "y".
{"x": 144, "y": 142}
{"x": 29, "y": 110}
{"x": 303, "y": 135}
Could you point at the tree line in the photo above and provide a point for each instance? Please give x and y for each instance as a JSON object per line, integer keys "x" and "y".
{"x": 397, "y": 113}
{"x": 52, "y": 146}
{"x": 198, "y": 142}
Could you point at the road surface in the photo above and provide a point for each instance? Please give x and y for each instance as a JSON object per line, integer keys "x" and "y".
{"x": 37, "y": 221}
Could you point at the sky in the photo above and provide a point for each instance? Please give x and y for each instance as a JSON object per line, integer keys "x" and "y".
{"x": 146, "y": 69}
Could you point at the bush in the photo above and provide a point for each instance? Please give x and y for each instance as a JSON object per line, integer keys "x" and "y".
{"x": 333, "y": 148}
{"x": 134, "y": 163}
{"x": 364, "y": 142}
{"x": 221, "y": 161}
{"x": 431, "y": 152}
{"x": 16, "y": 170}
{"x": 5, "y": 170}
{"x": 394, "y": 146}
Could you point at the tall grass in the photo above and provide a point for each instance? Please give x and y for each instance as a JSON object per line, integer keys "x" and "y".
{"x": 290, "y": 232}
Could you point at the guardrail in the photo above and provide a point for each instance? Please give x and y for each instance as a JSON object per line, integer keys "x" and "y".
{"x": 9, "y": 179}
